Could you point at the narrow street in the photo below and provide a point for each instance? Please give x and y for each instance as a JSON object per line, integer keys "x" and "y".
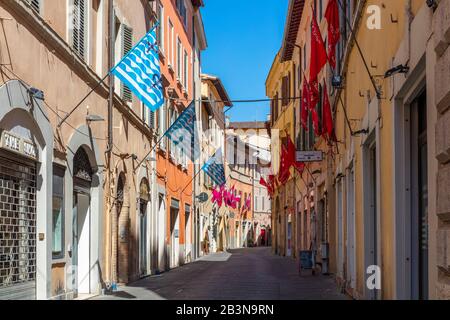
{"x": 242, "y": 274}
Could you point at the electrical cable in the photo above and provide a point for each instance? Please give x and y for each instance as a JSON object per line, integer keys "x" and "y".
{"x": 47, "y": 105}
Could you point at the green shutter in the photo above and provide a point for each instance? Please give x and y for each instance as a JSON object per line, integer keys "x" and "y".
{"x": 127, "y": 45}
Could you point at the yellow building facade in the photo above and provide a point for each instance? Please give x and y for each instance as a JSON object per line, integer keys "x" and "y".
{"x": 280, "y": 88}
{"x": 379, "y": 213}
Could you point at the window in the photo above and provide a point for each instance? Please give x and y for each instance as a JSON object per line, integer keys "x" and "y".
{"x": 58, "y": 213}
{"x": 162, "y": 118}
{"x": 80, "y": 27}
{"x": 151, "y": 121}
{"x": 179, "y": 61}
{"x": 148, "y": 116}
{"x": 320, "y": 108}
{"x": 286, "y": 90}
{"x": 276, "y": 107}
{"x": 161, "y": 28}
{"x": 35, "y": 5}
{"x": 311, "y": 133}
{"x": 186, "y": 62}
{"x": 172, "y": 115}
{"x": 170, "y": 43}
{"x": 127, "y": 45}
{"x": 181, "y": 7}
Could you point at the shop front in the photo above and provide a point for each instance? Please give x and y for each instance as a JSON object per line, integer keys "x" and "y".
{"x": 26, "y": 146}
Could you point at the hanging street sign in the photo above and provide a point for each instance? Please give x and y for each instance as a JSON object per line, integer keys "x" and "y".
{"x": 203, "y": 197}
{"x": 309, "y": 156}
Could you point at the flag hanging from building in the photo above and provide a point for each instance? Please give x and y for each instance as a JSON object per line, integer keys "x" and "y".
{"x": 214, "y": 168}
{"x": 183, "y": 132}
{"x": 305, "y": 104}
{"x": 292, "y": 153}
{"x": 217, "y": 196}
{"x": 140, "y": 71}
{"x": 285, "y": 166}
{"x": 334, "y": 34}
{"x": 328, "y": 127}
{"x": 318, "y": 61}
{"x": 318, "y": 52}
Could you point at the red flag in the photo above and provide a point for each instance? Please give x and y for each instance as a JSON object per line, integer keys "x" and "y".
{"x": 334, "y": 34}
{"x": 285, "y": 165}
{"x": 292, "y": 150}
{"x": 318, "y": 53}
{"x": 318, "y": 60}
{"x": 328, "y": 130}
{"x": 305, "y": 103}
{"x": 263, "y": 182}
{"x": 272, "y": 181}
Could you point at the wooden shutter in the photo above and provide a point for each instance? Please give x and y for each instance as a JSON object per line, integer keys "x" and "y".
{"x": 152, "y": 119}
{"x": 127, "y": 45}
{"x": 35, "y": 5}
{"x": 79, "y": 34}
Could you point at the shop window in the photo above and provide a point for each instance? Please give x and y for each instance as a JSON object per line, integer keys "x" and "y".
{"x": 58, "y": 213}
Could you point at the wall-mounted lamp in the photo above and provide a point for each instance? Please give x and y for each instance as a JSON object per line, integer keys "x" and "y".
{"x": 94, "y": 118}
{"x": 36, "y": 93}
{"x": 337, "y": 81}
{"x": 398, "y": 69}
{"x": 432, "y": 4}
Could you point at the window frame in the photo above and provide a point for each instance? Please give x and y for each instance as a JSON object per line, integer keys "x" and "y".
{"x": 161, "y": 31}
{"x": 59, "y": 171}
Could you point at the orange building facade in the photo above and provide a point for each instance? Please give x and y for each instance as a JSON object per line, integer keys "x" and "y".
{"x": 174, "y": 170}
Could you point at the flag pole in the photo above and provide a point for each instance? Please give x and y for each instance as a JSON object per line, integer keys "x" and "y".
{"x": 159, "y": 141}
{"x": 82, "y": 100}
{"x": 64, "y": 119}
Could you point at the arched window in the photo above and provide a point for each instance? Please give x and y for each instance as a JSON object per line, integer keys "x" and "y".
{"x": 81, "y": 166}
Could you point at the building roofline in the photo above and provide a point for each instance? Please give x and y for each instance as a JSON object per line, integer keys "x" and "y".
{"x": 218, "y": 84}
{"x": 293, "y": 20}
{"x": 247, "y": 125}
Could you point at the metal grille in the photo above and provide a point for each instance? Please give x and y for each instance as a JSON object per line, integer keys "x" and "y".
{"x": 17, "y": 228}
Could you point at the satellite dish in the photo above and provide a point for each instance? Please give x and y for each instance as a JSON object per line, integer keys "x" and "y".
{"x": 203, "y": 197}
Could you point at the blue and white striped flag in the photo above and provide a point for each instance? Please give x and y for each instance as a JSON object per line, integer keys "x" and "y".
{"x": 140, "y": 71}
{"x": 215, "y": 169}
{"x": 183, "y": 132}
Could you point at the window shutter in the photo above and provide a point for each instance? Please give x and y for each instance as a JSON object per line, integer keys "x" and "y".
{"x": 79, "y": 39}
{"x": 152, "y": 119}
{"x": 35, "y": 5}
{"x": 127, "y": 45}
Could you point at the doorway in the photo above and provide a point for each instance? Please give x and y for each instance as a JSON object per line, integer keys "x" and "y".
{"x": 340, "y": 251}
{"x": 81, "y": 223}
{"x": 144, "y": 239}
{"x": 175, "y": 233}
{"x": 419, "y": 198}
{"x": 289, "y": 239}
{"x": 371, "y": 218}
{"x": 81, "y": 240}
{"x": 351, "y": 252}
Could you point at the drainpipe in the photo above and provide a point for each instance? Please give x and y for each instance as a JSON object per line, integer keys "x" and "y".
{"x": 112, "y": 206}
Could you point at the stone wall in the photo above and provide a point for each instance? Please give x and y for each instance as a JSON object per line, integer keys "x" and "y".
{"x": 441, "y": 26}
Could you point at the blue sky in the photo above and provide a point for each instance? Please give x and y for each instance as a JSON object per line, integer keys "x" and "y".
{"x": 243, "y": 38}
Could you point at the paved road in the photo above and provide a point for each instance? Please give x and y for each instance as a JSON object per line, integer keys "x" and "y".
{"x": 244, "y": 274}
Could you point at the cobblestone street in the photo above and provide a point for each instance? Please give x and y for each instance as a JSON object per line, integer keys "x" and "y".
{"x": 244, "y": 274}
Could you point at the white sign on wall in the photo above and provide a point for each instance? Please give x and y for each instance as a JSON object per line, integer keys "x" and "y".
{"x": 309, "y": 156}
{"x": 18, "y": 145}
